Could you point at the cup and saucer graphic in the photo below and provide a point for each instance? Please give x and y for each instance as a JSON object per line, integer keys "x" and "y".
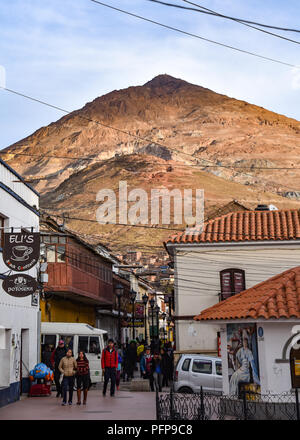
{"x": 21, "y": 253}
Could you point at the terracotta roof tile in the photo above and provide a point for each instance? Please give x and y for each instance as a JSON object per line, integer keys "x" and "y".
{"x": 278, "y": 297}
{"x": 245, "y": 226}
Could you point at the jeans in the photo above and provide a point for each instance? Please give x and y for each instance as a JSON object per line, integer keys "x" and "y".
{"x": 67, "y": 384}
{"x": 109, "y": 373}
{"x": 157, "y": 381}
{"x": 118, "y": 377}
{"x": 57, "y": 374}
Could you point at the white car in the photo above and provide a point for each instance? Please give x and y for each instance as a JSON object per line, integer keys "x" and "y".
{"x": 196, "y": 370}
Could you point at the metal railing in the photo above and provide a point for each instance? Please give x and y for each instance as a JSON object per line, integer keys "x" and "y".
{"x": 209, "y": 406}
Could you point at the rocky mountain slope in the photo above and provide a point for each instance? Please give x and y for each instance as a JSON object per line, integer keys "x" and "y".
{"x": 187, "y": 130}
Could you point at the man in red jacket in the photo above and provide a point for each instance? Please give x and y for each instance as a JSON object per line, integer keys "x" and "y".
{"x": 109, "y": 362}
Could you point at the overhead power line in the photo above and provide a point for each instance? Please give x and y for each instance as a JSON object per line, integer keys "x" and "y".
{"x": 193, "y": 35}
{"x": 203, "y": 10}
{"x": 243, "y": 20}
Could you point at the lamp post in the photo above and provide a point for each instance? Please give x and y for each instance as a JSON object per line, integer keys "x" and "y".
{"x": 152, "y": 302}
{"x": 119, "y": 289}
{"x": 133, "y": 297}
{"x": 163, "y": 315}
{"x": 145, "y": 300}
{"x": 157, "y": 310}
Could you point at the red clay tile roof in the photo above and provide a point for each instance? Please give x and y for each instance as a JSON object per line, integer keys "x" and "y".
{"x": 277, "y": 297}
{"x": 245, "y": 226}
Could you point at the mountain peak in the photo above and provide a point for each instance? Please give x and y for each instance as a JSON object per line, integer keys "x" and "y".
{"x": 165, "y": 80}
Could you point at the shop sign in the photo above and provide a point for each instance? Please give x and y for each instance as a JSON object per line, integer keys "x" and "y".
{"x": 21, "y": 250}
{"x": 20, "y": 285}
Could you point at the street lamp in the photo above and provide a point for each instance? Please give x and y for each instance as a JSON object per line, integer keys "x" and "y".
{"x": 133, "y": 297}
{"x": 157, "y": 310}
{"x": 152, "y": 302}
{"x": 145, "y": 300}
{"x": 119, "y": 289}
{"x": 163, "y": 315}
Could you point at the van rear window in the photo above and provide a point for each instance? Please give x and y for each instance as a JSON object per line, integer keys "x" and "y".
{"x": 186, "y": 365}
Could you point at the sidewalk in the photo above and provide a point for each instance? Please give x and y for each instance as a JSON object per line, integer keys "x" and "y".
{"x": 124, "y": 406}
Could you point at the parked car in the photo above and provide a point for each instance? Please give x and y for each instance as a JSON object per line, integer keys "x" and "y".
{"x": 195, "y": 370}
{"x": 77, "y": 336}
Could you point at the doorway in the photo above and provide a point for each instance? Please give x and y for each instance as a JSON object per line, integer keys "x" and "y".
{"x": 24, "y": 361}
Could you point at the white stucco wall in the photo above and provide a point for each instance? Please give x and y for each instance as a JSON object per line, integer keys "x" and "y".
{"x": 17, "y": 313}
{"x": 197, "y": 281}
{"x": 274, "y": 377}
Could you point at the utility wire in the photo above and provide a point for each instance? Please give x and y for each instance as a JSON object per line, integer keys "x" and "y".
{"x": 243, "y": 20}
{"x": 193, "y": 35}
{"x": 216, "y": 14}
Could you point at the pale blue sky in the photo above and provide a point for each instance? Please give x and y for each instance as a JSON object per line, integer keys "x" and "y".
{"x": 68, "y": 52}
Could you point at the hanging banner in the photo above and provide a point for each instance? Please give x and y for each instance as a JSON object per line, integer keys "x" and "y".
{"x": 21, "y": 250}
{"x": 139, "y": 308}
{"x": 20, "y": 285}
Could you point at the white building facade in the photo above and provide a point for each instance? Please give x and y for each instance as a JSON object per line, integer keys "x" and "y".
{"x": 200, "y": 260}
{"x": 19, "y": 317}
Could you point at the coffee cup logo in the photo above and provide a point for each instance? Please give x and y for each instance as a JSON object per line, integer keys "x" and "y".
{"x": 21, "y": 253}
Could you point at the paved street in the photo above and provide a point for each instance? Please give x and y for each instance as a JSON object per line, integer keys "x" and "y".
{"x": 124, "y": 406}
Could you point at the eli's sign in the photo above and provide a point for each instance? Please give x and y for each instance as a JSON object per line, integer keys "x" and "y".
{"x": 21, "y": 250}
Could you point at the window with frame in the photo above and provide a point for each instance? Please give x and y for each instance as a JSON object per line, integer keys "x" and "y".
{"x": 232, "y": 282}
{"x": 219, "y": 368}
{"x": 186, "y": 365}
{"x": 89, "y": 344}
{"x": 201, "y": 366}
{"x": 55, "y": 248}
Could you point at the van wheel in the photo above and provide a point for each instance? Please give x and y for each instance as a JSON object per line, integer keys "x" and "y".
{"x": 185, "y": 390}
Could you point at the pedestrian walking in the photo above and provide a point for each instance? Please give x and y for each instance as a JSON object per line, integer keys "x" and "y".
{"x": 131, "y": 359}
{"x": 145, "y": 366}
{"x": 119, "y": 368}
{"x": 82, "y": 377}
{"x": 139, "y": 351}
{"x": 166, "y": 367}
{"x": 46, "y": 356}
{"x": 56, "y": 357}
{"x": 123, "y": 350}
{"x": 156, "y": 371}
{"x": 67, "y": 367}
{"x": 109, "y": 364}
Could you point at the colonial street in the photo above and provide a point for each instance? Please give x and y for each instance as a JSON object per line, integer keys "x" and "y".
{"x": 124, "y": 406}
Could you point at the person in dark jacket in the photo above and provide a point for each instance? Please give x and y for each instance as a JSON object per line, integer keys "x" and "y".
{"x": 109, "y": 364}
{"x": 82, "y": 377}
{"x": 130, "y": 360}
{"x": 145, "y": 366}
{"x": 56, "y": 357}
{"x": 166, "y": 367}
{"x": 46, "y": 356}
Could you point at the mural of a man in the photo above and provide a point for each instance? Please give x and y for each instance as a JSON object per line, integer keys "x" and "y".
{"x": 245, "y": 359}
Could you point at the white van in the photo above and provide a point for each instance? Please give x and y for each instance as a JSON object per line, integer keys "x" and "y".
{"x": 77, "y": 336}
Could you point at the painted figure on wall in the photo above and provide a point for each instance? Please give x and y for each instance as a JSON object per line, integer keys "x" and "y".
{"x": 242, "y": 357}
